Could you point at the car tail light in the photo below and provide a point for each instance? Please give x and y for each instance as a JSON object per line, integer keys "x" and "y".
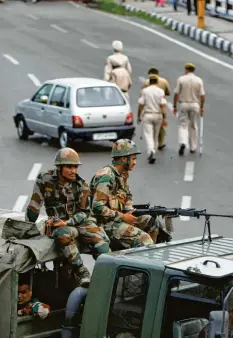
{"x": 129, "y": 118}
{"x": 77, "y": 122}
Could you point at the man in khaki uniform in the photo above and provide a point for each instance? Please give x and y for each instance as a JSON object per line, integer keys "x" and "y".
{"x": 191, "y": 95}
{"x": 153, "y": 102}
{"x": 121, "y": 77}
{"x": 117, "y": 58}
{"x": 163, "y": 84}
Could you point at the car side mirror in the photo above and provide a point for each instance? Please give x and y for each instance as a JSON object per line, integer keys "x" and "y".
{"x": 44, "y": 99}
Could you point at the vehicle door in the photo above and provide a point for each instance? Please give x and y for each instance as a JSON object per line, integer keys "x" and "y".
{"x": 35, "y": 110}
{"x": 56, "y": 111}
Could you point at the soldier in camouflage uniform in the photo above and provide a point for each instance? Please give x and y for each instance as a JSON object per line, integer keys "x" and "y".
{"x": 66, "y": 197}
{"x": 112, "y": 203}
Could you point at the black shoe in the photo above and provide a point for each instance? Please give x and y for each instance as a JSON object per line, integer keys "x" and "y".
{"x": 83, "y": 276}
{"x": 181, "y": 150}
{"x": 151, "y": 158}
{"x": 192, "y": 151}
{"x": 161, "y": 147}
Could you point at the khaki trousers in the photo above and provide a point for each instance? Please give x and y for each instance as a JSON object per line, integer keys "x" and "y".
{"x": 151, "y": 128}
{"x": 188, "y": 129}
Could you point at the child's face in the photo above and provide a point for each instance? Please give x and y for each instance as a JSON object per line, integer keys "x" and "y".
{"x": 24, "y": 294}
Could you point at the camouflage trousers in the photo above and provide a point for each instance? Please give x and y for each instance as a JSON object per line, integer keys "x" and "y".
{"x": 90, "y": 234}
{"x": 131, "y": 236}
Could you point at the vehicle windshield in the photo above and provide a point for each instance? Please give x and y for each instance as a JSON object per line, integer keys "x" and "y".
{"x": 99, "y": 97}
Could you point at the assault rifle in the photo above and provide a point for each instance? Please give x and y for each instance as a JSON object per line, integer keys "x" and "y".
{"x": 146, "y": 209}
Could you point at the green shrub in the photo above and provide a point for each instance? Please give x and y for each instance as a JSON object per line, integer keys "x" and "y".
{"x": 116, "y": 8}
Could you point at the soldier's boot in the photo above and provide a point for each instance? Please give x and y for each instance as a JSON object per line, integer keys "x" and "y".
{"x": 82, "y": 275}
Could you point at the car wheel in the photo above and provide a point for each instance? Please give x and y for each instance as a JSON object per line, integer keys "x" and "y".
{"x": 63, "y": 139}
{"x": 22, "y": 129}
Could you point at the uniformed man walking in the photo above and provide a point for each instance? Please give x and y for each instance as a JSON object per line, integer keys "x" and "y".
{"x": 121, "y": 77}
{"x": 116, "y": 58}
{"x": 112, "y": 203}
{"x": 66, "y": 197}
{"x": 190, "y": 94}
{"x": 163, "y": 84}
{"x": 152, "y": 104}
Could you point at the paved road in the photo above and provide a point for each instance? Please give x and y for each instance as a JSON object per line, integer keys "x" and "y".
{"x": 77, "y": 46}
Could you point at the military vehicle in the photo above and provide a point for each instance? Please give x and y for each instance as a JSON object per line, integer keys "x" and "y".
{"x": 177, "y": 289}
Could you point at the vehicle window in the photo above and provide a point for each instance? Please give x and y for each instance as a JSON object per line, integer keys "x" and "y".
{"x": 68, "y": 99}
{"x": 187, "y": 299}
{"x": 58, "y": 97}
{"x": 99, "y": 97}
{"x": 128, "y": 303}
{"x": 45, "y": 90}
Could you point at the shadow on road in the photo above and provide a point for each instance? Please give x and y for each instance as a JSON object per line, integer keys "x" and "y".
{"x": 78, "y": 145}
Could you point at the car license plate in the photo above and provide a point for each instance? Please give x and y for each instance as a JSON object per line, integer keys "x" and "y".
{"x": 104, "y": 136}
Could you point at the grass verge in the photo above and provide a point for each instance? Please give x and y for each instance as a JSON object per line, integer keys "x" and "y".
{"x": 113, "y": 7}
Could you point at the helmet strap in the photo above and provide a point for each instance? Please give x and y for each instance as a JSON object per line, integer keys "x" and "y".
{"x": 125, "y": 164}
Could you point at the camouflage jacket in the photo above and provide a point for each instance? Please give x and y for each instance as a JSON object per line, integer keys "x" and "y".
{"x": 68, "y": 202}
{"x": 110, "y": 193}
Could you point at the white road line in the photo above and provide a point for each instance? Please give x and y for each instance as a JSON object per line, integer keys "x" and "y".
{"x": 58, "y": 28}
{"x": 189, "y": 171}
{"x": 34, "y": 80}
{"x": 185, "y": 204}
{"x": 33, "y": 17}
{"x": 73, "y": 4}
{"x": 88, "y": 43}
{"x": 168, "y": 38}
{"x": 34, "y": 171}
{"x": 19, "y": 204}
{"x": 11, "y": 59}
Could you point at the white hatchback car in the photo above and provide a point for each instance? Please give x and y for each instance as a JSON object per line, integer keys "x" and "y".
{"x": 70, "y": 108}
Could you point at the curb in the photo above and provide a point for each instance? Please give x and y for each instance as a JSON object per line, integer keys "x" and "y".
{"x": 200, "y": 35}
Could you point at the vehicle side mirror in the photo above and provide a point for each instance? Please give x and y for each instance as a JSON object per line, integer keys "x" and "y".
{"x": 218, "y": 324}
{"x": 44, "y": 99}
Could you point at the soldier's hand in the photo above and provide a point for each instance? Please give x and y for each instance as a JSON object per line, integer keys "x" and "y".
{"x": 59, "y": 223}
{"x": 129, "y": 218}
{"x": 174, "y": 111}
{"x": 139, "y": 121}
{"x": 202, "y": 111}
{"x": 164, "y": 122}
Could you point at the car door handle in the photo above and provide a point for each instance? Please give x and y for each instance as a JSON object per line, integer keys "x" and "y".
{"x": 60, "y": 112}
{"x": 42, "y": 108}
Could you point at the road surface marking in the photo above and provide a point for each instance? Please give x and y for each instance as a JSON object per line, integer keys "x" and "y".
{"x": 11, "y": 59}
{"x": 189, "y": 171}
{"x": 35, "y": 80}
{"x": 90, "y": 44}
{"x": 7, "y": 8}
{"x": 33, "y": 17}
{"x": 58, "y": 28}
{"x": 185, "y": 204}
{"x": 34, "y": 171}
{"x": 73, "y": 4}
{"x": 168, "y": 38}
{"x": 19, "y": 204}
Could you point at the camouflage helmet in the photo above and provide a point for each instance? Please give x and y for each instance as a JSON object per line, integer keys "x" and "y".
{"x": 124, "y": 147}
{"x": 66, "y": 156}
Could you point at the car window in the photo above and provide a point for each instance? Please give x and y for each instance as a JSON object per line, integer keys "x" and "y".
{"x": 99, "y": 97}
{"x": 188, "y": 299}
{"x": 45, "y": 90}
{"x": 58, "y": 96}
{"x": 68, "y": 99}
{"x": 128, "y": 303}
